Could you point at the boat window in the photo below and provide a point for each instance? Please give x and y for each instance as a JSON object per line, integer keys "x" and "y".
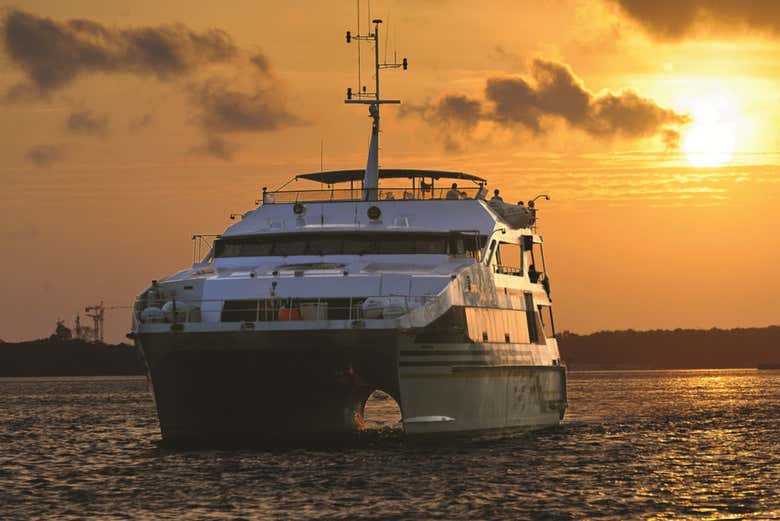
{"x": 398, "y": 245}
{"x": 530, "y": 315}
{"x": 536, "y": 268}
{"x": 545, "y": 315}
{"x": 456, "y": 246}
{"x": 325, "y": 244}
{"x": 508, "y": 260}
{"x": 358, "y": 245}
{"x": 434, "y": 245}
{"x": 290, "y": 246}
{"x": 490, "y": 252}
{"x": 349, "y": 244}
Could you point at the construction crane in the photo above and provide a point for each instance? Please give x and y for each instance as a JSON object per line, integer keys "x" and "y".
{"x": 97, "y": 314}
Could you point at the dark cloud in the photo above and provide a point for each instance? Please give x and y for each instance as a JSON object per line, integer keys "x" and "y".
{"x": 261, "y": 62}
{"x": 456, "y": 109}
{"x": 225, "y": 108}
{"x": 87, "y": 123}
{"x": 552, "y": 93}
{"x": 45, "y": 155}
{"x": 241, "y": 93}
{"x": 673, "y": 20}
{"x": 218, "y": 147}
{"x": 53, "y": 53}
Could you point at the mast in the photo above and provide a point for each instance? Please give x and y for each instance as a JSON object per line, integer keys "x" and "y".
{"x": 372, "y": 99}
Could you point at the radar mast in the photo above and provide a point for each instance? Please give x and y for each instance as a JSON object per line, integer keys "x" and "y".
{"x": 373, "y": 100}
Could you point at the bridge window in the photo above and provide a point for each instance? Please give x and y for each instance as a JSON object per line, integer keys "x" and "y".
{"x": 509, "y": 259}
{"x": 349, "y": 244}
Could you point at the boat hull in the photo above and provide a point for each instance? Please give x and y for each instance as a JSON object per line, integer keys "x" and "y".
{"x": 255, "y": 388}
{"x": 483, "y": 398}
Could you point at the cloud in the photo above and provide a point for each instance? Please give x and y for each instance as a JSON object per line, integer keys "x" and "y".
{"x": 218, "y": 147}
{"x": 553, "y": 92}
{"x": 54, "y": 53}
{"x": 671, "y": 138}
{"x": 454, "y": 109}
{"x": 230, "y": 89}
{"x": 226, "y": 108}
{"x": 675, "y": 20}
{"x": 87, "y": 123}
{"x": 261, "y": 62}
{"x": 45, "y": 155}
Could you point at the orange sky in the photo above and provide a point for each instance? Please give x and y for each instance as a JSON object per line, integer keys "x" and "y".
{"x": 114, "y": 152}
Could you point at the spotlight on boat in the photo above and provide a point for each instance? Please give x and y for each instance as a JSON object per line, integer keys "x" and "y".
{"x": 374, "y": 213}
{"x": 532, "y": 202}
{"x": 299, "y": 209}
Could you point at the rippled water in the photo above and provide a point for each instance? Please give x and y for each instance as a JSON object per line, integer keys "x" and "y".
{"x": 635, "y": 445}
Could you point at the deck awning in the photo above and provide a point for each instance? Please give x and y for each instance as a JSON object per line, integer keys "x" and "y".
{"x": 344, "y": 176}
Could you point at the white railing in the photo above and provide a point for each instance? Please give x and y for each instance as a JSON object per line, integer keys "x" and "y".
{"x": 275, "y": 309}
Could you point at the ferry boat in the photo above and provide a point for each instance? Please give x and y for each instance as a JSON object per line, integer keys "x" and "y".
{"x": 401, "y": 280}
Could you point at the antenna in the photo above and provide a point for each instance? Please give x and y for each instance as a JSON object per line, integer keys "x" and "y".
{"x": 373, "y": 100}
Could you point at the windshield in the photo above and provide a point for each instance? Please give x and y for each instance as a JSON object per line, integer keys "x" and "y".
{"x": 349, "y": 244}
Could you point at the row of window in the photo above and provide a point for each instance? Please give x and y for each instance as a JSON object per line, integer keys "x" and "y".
{"x": 349, "y": 244}
{"x": 533, "y": 325}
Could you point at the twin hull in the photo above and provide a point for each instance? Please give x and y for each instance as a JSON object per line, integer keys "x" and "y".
{"x": 248, "y": 387}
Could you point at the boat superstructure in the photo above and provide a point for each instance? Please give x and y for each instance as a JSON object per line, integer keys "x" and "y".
{"x": 402, "y": 280}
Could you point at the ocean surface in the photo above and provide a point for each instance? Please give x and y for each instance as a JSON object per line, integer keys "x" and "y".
{"x": 634, "y": 445}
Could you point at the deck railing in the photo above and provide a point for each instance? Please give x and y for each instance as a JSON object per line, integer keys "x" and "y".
{"x": 356, "y": 194}
{"x": 275, "y": 309}
{"x": 508, "y": 270}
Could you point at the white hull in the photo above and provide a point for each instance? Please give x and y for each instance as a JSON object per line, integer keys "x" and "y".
{"x": 483, "y": 399}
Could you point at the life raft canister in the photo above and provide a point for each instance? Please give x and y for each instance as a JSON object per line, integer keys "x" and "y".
{"x": 289, "y": 313}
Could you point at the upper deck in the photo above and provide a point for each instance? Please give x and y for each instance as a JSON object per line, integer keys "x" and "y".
{"x": 411, "y": 185}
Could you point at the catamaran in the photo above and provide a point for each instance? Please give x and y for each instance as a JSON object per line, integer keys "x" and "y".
{"x": 402, "y": 280}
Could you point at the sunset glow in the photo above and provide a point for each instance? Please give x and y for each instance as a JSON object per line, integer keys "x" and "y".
{"x": 126, "y": 130}
{"x": 711, "y": 138}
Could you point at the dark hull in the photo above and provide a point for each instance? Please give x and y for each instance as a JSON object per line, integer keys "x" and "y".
{"x": 260, "y": 388}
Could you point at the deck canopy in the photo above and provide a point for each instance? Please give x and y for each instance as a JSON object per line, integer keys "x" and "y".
{"x": 345, "y": 176}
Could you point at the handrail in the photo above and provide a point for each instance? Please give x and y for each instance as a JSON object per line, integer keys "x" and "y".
{"x": 272, "y": 308}
{"x": 415, "y": 193}
{"x": 508, "y": 270}
{"x": 202, "y": 242}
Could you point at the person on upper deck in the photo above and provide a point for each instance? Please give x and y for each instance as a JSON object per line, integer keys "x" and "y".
{"x": 496, "y": 196}
{"x": 454, "y": 193}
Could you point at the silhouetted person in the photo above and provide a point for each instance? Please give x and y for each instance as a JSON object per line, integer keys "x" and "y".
{"x": 496, "y": 196}
{"x": 454, "y": 193}
{"x": 533, "y": 274}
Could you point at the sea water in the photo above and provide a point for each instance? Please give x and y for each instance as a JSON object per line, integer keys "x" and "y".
{"x": 634, "y": 445}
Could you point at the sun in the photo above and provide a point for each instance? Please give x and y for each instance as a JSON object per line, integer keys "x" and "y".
{"x": 710, "y": 139}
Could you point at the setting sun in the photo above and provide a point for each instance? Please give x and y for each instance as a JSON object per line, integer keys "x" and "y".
{"x": 710, "y": 140}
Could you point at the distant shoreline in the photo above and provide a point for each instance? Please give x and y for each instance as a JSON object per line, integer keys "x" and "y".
{"x": 626, "y": 350}
{"x": 51, "y": 357}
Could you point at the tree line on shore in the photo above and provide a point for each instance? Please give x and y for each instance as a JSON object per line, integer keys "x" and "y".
{"x": 628, "y": 349}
